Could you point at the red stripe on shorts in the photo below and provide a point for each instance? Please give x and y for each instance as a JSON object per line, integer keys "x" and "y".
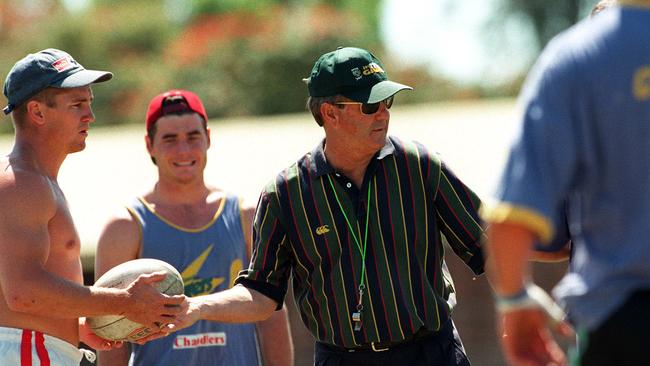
{"x": 26, "y": 348}
{"x": 41, "y": 351}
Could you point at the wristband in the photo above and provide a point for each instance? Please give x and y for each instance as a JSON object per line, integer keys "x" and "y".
{"x": 531, "y": 297}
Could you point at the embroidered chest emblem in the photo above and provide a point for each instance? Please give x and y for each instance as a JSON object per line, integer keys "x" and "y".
{"x": 322, "y": 229}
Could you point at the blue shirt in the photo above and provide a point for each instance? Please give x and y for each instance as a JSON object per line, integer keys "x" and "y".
{"x": 208, "y": 259}
{"x": 585, "y": 140}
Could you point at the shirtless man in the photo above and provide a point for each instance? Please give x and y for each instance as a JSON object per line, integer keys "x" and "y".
{"x": 42, "y": 299}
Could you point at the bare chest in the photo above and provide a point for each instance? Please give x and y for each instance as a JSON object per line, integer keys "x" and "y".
{"x": 65, "y": 244}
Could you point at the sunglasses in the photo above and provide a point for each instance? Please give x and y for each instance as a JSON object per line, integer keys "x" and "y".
{"x": 370, "y": 108}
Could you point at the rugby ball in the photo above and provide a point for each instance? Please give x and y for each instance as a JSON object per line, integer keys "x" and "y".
{"x": 118, "y": 327}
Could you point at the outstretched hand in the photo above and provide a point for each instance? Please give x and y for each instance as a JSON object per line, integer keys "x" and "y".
{"x": 527, "y": 340}
{"x": 525, "y": 325}
{"x": 148, "y": 306}
{"x": 190, "y": 315}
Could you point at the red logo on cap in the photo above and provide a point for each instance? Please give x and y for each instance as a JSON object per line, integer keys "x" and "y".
{"x": 63, "y": 64}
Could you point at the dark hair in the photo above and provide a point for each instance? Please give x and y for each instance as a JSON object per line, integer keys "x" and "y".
{"x": 314, "y": 103}
{"x": 175, "y": 105}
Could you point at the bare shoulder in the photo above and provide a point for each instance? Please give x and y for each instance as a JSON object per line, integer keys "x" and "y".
{"x": 246, "y": 203}
{"x": 119, "y": 241}
{"x": 29, "y": 202}
{"x": 122, "y": 222}
{"x": 216, "y": 195}
{"x": 247, "y": 206}
{"x": 247, "y": 209}
{"x": 26, "y": 194}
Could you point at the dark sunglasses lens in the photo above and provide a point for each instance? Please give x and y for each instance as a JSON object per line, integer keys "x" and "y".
{"x": 374, "y": 107}
{"x": 388, "y": 102}
{"x": 369, "y": 108}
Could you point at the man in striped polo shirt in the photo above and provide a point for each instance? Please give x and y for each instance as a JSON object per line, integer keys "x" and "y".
{"x": 358, "y": 223}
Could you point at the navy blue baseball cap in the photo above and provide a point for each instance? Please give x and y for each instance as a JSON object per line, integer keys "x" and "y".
{"x": 47, "y": 68}
{"x": 353, "y": 73}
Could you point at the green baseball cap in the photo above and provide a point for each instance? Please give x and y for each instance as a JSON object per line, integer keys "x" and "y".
{"x": 353, "y": 73}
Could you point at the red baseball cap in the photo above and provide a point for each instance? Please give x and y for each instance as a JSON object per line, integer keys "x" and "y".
{"x": 188, "y": 101}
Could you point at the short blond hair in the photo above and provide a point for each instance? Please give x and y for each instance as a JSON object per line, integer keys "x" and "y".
{"x": 47, "y": 96}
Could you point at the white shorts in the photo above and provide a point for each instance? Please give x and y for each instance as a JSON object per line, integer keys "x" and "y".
{"x": 29, "y": 348}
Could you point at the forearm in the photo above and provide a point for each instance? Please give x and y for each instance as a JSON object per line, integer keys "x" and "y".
{"x": 236, "y": 305}
{"x": 509, "y": 248}
{"x": 275, "y": 339}
{"x": 43, "y": 292}
{"x": 523, "y": 308}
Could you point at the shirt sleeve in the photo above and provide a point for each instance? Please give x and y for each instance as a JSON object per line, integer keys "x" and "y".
{"x": 543, "y": 160}
{"x": 269, "y": 269}
{"x": 457, "y": 211}
{"x": 561, "y": 237}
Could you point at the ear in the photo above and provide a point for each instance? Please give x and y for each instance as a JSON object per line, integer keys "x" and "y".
{"x": 149, "y": 143}
{"x": 330, "y": 113}
{"x": 207, "y": 132}
{"x": 35, "y": 112}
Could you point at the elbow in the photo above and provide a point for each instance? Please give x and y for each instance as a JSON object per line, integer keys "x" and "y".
{"x": 265, "y": 306}
{"x": 265, "y": 312}
{"x": 20, "y": 301}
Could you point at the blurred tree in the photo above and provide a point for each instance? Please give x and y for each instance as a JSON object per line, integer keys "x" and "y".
{"x": 547, "y": 17}
{"x": 365, "y": 10}
{"x": 244, "y": 57}
{"x": 223, "y": 6}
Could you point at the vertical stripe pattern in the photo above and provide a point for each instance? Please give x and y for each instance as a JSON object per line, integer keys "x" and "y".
{"x": 26, "y": 348}
{"x": 40, "y": 349}
{"x": 301, "y": 233}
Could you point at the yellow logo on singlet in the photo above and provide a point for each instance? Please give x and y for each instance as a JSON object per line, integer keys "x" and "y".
{"x": 196, "y": 286}
{"x": 642, "y": 84}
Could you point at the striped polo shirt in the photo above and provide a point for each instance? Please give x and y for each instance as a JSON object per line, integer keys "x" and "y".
{"x": 301, "y": 232}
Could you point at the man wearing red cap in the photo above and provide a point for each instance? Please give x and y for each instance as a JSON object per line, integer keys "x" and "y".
{"x": 203, "y": 231}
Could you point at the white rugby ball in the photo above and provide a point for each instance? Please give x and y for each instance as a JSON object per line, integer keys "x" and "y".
{"x": 118, "y": 327}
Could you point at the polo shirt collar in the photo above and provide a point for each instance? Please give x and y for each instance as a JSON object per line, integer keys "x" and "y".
{"x": 319, "y": 165}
